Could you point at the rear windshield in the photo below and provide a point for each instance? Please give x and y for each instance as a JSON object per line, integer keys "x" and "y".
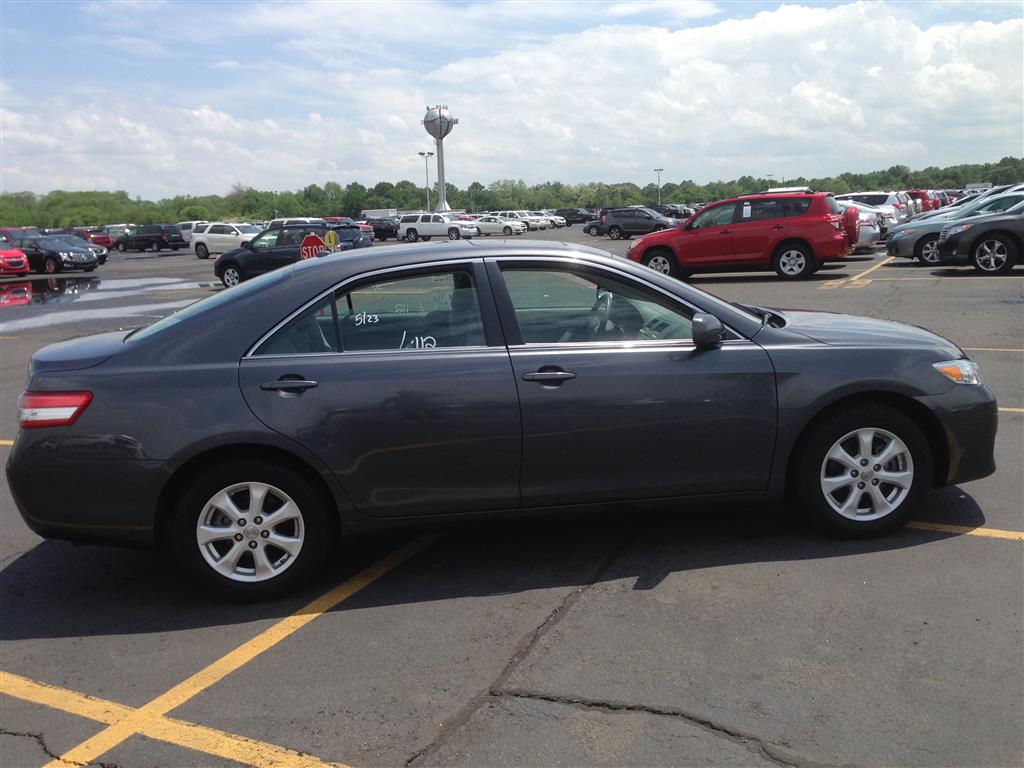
{"x": 239, "y": 292}
{"x": 868, "y": 199}
{"x": 832, "y": 204}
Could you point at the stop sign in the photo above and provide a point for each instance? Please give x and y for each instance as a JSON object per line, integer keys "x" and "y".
{"x": 311, "y": 246}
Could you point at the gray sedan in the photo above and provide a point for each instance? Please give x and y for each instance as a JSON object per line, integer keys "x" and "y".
{"x": 251, "y": 430}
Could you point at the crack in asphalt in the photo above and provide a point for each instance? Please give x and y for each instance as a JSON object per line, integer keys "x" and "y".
{"x": 522, "y": 649}
{"x": 754, "y": 744}
{"x": 38, "y": 737}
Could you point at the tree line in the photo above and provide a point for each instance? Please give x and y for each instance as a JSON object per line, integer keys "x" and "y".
{"x": 64, "y": 209}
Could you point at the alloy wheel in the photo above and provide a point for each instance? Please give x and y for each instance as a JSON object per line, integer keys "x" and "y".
{"x": 250, "y": 532}
{"x": 930, "y": 251}
{"x": 991, "y": 255}
{"x": 792, "y": 262}
{"x": 867, "y": 474}
{"x": 661, "y": 264}
{"x": 231, "y": 277}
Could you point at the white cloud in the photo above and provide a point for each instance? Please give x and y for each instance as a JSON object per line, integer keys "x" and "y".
{"x": 794, "y": 91}
{"x": 225, "y": 64}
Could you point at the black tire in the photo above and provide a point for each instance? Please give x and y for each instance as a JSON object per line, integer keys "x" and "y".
{"x": 926, "y": 251}
{"x": 794, "y": 262}
{"x": 411, "y": 235}
{"x": 994, "y": 254}
{"x": 454, "y": 234}
{"x": 202, "y": 252}
{"x": 175, "y": 247}
{"x": 313, "y": 524}
{"x": 663, "y": 260}
{"x": 51, "y": 266}
{"x": 426, "y": 239}
{"x": 811, "y": 468}
{"x": 122, "y": 247}
{"x": 231, "y": 275}
{"x": 506, "y": 231}
{"x": 615, "y": 233}
{"x": 156, "y": 246}
{"x": 89, "y": 269}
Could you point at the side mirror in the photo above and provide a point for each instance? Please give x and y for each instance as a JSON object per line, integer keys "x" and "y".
{"x": 247, "y": 245}
{"x": 707, "y": 330}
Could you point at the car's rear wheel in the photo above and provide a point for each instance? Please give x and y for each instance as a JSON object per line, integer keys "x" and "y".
{"x": 156, "y": 246}
{"x": 994, "y": 255}
{"x": 122, "y": 247}
{"x": 411, "y": 235}
{"x": 927, "y": 250}
{"x": 51, "y": 266}
{"x": 231, "y": 276}
{"x": 794, "y": 262}
{"x": 507, "y": 231}
{"x": 615, "y": 233}
{"x": 863, "y": 471}
{"x": 661, "y": 260}
{"x": 250, "y": 529}
{"x": 426, "y": 238}
{"x": 202, "y": 251}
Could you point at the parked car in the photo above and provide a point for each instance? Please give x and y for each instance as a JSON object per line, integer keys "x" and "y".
{"x": 793, "y": 232}
{"x": 927, "y": 199}
{"x": 12, "y": 261}
{"x": 992, "y": 244}
{"x": 870, "y": 223}
{"x": 79, "y": 242}
{"x": 423, "y": 226}
{"x": 52, "y": 255}
{"x": 556, "y": 221}
{"x": 221, "y": 236}
{"x": 154, "y": 237}
{"x": 383, "y": 228}
{"x": 898, "y": 208}
{"x": 95, "y": 235}
{"x": 575, "y": 215}
{"x": 496, "y": 225}
{"x": 16, "y": 233}
{"x": 919, "y": 239}
{"x": 618, "y": 223}
{"x": 532, "y": 222}
{"x": 327, "y": 408}
{"x": 115, "y": 231}
{"x": 278, "y": 223}
{"x": 281, "y": 246}
{"x": 186, "y": 228}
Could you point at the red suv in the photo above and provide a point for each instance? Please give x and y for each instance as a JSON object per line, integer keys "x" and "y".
{"x": 929, "y": 202}
{"x": 94, "y": 235}
{"x": 792, "y": 232}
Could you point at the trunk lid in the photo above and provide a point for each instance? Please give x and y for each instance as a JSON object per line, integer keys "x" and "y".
{"x": 76, "y": 354}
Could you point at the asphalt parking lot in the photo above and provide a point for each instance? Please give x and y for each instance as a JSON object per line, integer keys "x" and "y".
{"x": 711, "y": 635}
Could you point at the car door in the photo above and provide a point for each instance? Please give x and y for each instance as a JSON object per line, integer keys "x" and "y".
{"x": 617, "y": 402}
{"x": 261, "y": 256}
{"x": 708, "y": 237}
{"x": 397, "y": 384}
{"x": 760, "y": 223}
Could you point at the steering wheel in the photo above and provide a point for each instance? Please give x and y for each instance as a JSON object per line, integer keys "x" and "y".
{"x": 596, "y": 322}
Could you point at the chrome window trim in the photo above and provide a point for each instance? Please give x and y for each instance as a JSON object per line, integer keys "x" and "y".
{"x": 624, "y": 276}
{"x": 354, "y": 278}
{"x": 365, "y": 352}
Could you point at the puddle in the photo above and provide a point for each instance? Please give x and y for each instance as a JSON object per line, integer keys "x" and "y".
{"x": 137, "y": 312}
{"x": 61, "y": 290}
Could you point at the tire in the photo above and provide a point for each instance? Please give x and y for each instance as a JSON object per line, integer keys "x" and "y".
{"x": 175, "y": 247}
{"x": 994, "y": 254}
{"x": 51, "y": 266}
{"x": 926, "y": 250}
{"x": 615, "y": 233}
{"x": 231, "y": 276}
{"x": 592, "y": 231}
{"x": 202, "y": 252}
{"x": 661, "y": 260}
{"x": 122, "y": 247}
{"x": 218, "y": 543}
{"x": 426, "y": 239}
{"x": 453, "y": 234}
{"x": 794, "y": 262}
{"x": 156, "y": 246}
{"x": 89, "y": 269}
{"x": 507, "y": 231}
{"x": 846, "y": 496}
{"x": 479, "y": 233}
{"x": 411, "y": 235}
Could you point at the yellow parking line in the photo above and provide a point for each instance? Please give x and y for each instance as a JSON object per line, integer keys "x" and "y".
{"x": 6, "y": 442}
{"x": 90, "y": 749}
{"x": 991, "y": 533}
{"x": 858, "y": 278}
{"x": 954, "y": 277}
{"x": 179, "y": 732}
{"x": 992, "y": 349}
{"x": 1010, "y": 410}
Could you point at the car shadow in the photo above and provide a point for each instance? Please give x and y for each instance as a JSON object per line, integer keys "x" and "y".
{"x": 63, "y": 590}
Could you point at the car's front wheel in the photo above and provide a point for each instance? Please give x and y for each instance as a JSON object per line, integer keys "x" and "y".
{"x": 863, "y": 471}
{"x": 994, "y": 255}
{"x": 927, "y": 250}
{"x": 250, "y": 529}
{"x": 794, "y": 262}
{"x": 661, "y": 260}
{"x": 202, "y": 252}
{"x": 122, "y": 247}
{"x": 51, "y": 266}
{"x": 231, "y": 276}
{"x": 507, "y": 231}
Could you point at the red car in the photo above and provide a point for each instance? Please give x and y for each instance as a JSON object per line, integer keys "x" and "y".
{"x": 94, "y": 235}
{"x": 791, "y": 232}
{"x": 929, "y": 202}
{"x": 13, "y": 294}
{"x": 12, "y": 261}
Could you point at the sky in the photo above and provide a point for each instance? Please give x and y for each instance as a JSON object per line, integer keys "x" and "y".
{"x": 165, "y": 98}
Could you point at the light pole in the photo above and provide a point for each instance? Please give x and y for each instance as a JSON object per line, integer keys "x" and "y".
{"x": 275, "y": 203}
{"x": 426, "y": 172}
{"x": 658, "y": 171}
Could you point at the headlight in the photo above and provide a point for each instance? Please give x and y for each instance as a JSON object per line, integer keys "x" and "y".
{"x": 66, "y": 254}
{"x": 959, "y": 371}
{"x": 905, "y": 232}
{"x": 959, "y": 228}
{"x": 635, "y": 243}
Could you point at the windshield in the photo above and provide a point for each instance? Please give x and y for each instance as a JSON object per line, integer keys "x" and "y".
{"x": 240, "y": 292}
{"x": 248, "y": 229}
{"x": 54, "y": 243}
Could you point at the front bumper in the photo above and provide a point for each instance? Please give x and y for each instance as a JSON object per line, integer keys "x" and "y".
{"x": 953, "y": 250}
{"x": 969, "y": 419}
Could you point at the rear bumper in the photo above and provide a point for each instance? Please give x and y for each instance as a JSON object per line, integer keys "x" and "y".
{"x": 835, "y": 247}
{"x": 969, "y": 420}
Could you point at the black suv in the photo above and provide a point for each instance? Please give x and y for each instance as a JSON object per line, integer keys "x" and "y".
{"x": 575, "y": 215}
{"x": 280, "y": 247}
{"x": 384, "y": 228}
{"x": 150, "y": 236}
{"x": 623, "y": 222}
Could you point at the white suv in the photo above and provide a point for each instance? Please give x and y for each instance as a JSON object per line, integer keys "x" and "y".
{"x": 423, "y": 226}
{"x": 186, "y": 228}
{"x": 220, "y": 237}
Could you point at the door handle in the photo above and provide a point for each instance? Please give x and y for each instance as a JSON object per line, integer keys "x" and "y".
{"x": 553, "y": 377}
{"x": 778, "y": 226}
{"x": 288, "y": 385}
{"x": 725, "y": 232}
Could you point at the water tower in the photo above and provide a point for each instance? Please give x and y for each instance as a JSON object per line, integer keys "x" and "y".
{"x": 439, "y": 122}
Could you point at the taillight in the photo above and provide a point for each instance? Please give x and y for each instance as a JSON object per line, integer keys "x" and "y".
{"x": 165, "y": 235}
{"x": 604, "y": 218}
{"x": 51, "y": 409}
{"x": 898, "y": 206}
